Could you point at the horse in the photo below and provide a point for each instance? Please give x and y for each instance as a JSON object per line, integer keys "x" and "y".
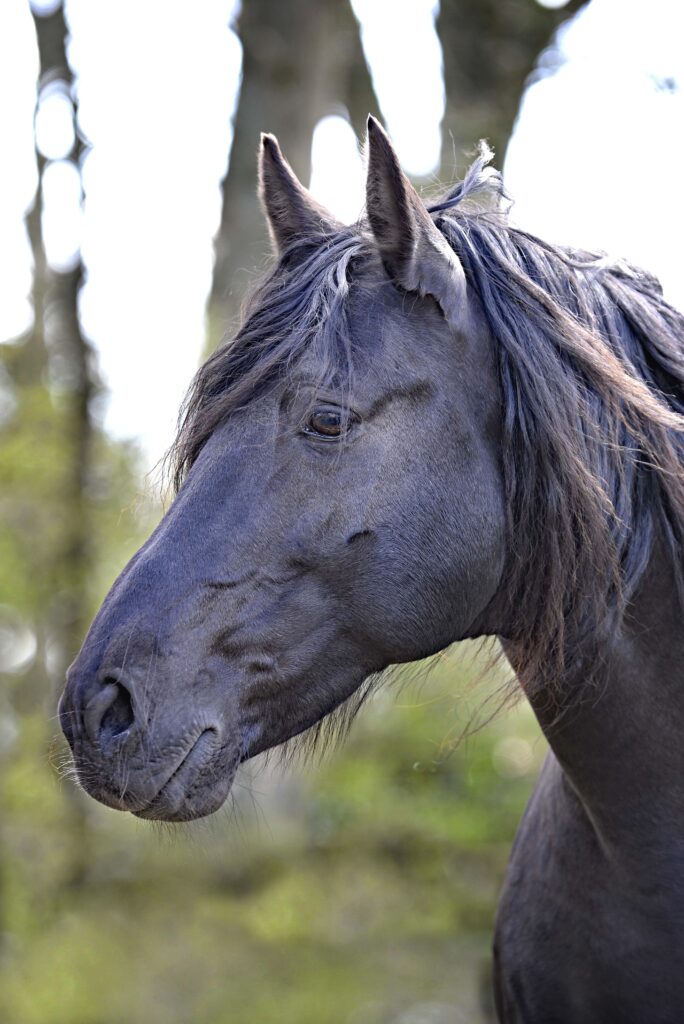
{"x": 429, "y": 426}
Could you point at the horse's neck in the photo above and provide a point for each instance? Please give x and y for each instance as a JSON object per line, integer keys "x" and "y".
{"x": 620, "y": 744}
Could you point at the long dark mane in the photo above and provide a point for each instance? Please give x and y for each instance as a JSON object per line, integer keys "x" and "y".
{"x": 591, "y": 367}
{"x": 591, "y": 363}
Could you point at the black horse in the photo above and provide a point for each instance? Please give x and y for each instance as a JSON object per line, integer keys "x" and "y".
{"x": 430, "y": 426}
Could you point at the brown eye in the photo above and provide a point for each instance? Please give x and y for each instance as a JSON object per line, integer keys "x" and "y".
{"x": 328, "y": 423}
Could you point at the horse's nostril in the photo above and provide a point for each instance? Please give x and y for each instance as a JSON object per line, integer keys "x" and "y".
{"x": 359, "y": 535}
{"x": 119, "y": 715}
{"x": 109, "y": 713}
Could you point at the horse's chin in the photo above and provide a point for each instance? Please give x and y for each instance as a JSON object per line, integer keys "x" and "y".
{"x": 197, "y": 788}
{"x": 173, "y": 806}
{"x": 197, "y": 784}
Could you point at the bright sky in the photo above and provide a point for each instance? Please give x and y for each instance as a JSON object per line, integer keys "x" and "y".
{"x": 595, "y": 160}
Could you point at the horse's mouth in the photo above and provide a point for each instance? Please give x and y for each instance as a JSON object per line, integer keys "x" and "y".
{"x": 191, "y": 791}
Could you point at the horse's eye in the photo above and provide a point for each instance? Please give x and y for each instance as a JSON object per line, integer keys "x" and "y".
{"x": 329, "y": 423}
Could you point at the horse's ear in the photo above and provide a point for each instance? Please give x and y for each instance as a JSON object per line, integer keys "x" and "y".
{"x": 415, "y": 253}
{"x": 291, "y": 211}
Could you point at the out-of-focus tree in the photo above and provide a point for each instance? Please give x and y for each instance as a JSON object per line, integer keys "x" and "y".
{"x": 301, "y": 61}
{"x": 490, "y": 48}
{"x": 62, "y": 481}
{"x": 54, "y": 371}
{"x": 74, "y": 379}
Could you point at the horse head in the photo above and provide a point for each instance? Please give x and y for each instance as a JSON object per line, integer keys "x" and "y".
{"x": 340, "y": 506}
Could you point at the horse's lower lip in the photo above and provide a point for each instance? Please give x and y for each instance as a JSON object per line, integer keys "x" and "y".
{"x": 182, "y": 797}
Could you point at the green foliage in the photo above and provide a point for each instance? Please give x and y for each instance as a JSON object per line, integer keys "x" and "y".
{"x": 31, "y": 469}
{"x": 35, "y": 506}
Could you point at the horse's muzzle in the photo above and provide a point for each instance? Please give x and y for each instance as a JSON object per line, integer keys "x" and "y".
{"x": 129, "y": 759}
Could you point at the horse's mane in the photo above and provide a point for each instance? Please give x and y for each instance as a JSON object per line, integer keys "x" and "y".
{"x": 591, "y": 366}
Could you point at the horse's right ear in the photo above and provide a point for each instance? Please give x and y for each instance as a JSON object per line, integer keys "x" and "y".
{"x": 291, "y": 211}
{"x": 415, "y": 253}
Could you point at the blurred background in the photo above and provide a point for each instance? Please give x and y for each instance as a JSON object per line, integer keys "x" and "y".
{"x": 360, "y": 890}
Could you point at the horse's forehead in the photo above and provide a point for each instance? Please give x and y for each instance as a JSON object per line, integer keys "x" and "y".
{"x": 384, "y": 318}
{"x": 394, "y": 338}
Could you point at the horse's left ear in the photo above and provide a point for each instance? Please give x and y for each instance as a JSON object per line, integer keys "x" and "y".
{"x": 291, "y": 211}
{"x": 415, "y": 253}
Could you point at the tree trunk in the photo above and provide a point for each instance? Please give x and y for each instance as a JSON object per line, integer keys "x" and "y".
{"x": 490, "y": 50}
{"x": 71, "y": 357}
{"x": 301, "y": 61}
